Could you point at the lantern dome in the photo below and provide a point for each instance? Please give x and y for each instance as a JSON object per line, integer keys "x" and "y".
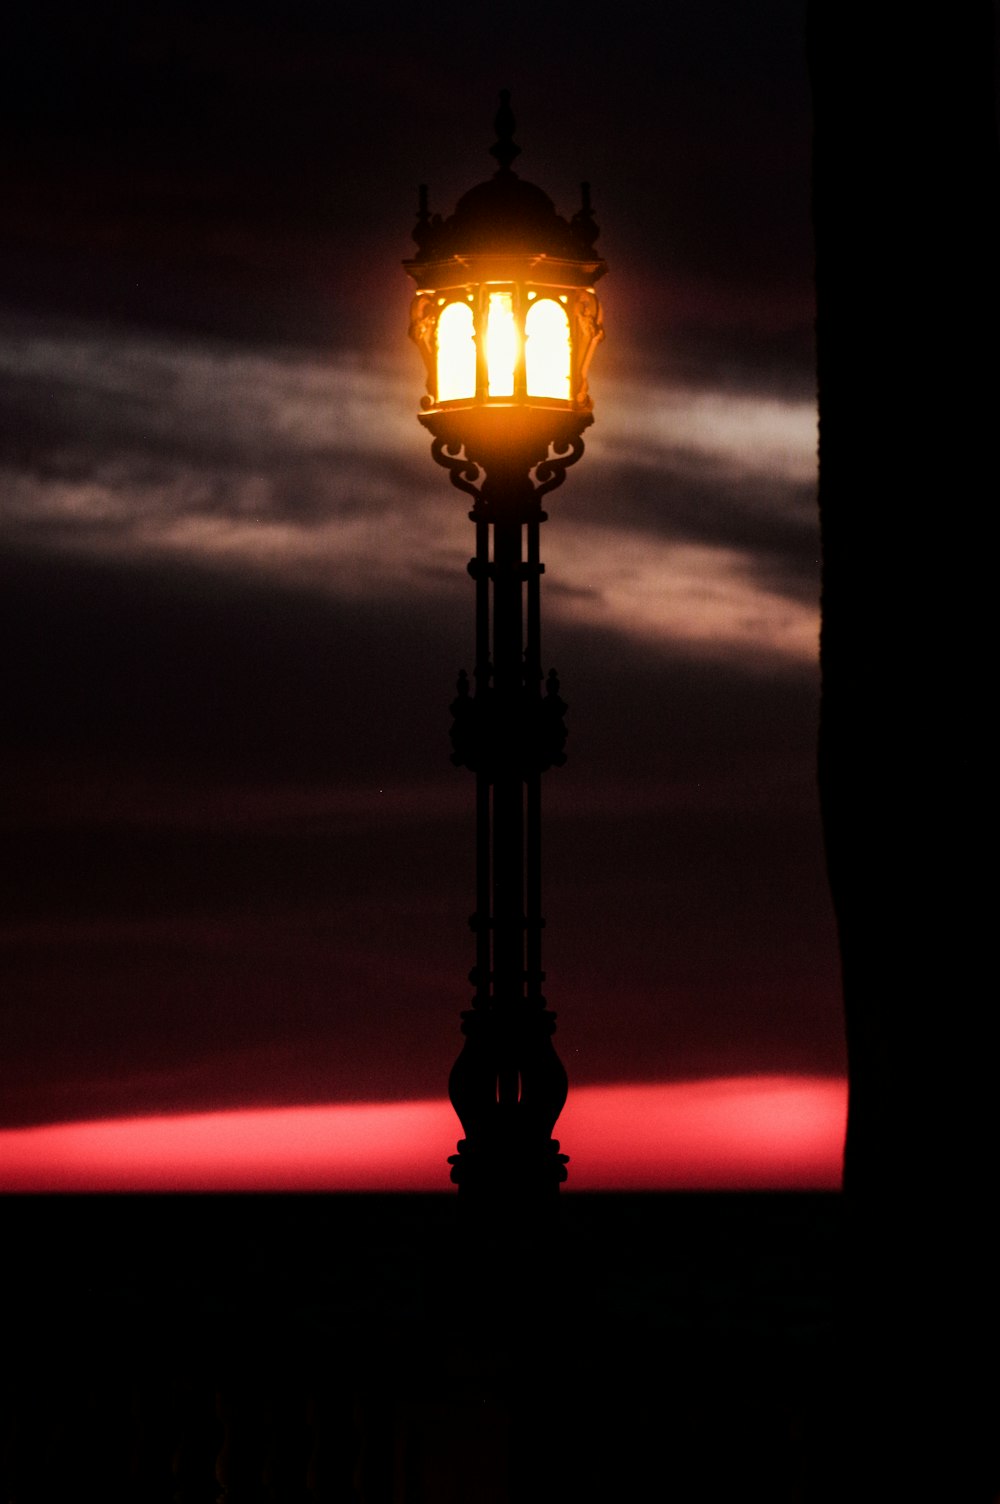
{"x": 506, "y": 214}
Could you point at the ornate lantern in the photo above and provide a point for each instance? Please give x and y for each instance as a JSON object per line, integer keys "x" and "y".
{"x": 506, "y": 316}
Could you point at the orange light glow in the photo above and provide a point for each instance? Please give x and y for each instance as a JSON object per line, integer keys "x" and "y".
{"x": 743, "y": 1133}
{"x": 456, "y": 353}
{"x": 547, "y": 350}
{"x": 501, "y": 345}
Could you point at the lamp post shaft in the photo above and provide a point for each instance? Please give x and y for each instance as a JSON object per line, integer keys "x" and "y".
{"x": 508, "y": 1085}
{"x": 479, "y": 568}
{"x": 533, "y": 778}
{"x": 508, "y": 832}
{"x": 508, "y": 785}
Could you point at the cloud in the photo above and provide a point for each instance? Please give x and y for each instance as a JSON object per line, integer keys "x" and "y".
{"x": 715, "y": 432}
{"x": 690, "y": 527}
{"x": 693, "y": 595}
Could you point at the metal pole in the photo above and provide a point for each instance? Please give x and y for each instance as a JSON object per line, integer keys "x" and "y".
{"x": 508, "y": 797}
{"x": 483, "y": 917}
{"x": 533, "y": 776}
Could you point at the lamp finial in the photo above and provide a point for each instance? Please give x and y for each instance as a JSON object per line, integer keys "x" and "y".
{"x": 504, "y": 148}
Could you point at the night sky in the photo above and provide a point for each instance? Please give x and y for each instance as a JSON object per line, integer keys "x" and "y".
{"x": 238, "y": 861}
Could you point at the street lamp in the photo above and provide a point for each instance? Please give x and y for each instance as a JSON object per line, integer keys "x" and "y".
{"x": 507, "y": 321}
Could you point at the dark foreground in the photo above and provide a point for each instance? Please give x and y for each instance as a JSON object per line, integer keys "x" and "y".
{"x": 385, "y": 1350}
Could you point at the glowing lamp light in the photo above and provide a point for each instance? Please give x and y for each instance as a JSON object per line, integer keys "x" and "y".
{"x": 548, "y": 349}
{"x": 528, "y": 343}
{"x": 522, "y": 343}
{"x": 455, "y": 365}
{"x": 503, "y": 347}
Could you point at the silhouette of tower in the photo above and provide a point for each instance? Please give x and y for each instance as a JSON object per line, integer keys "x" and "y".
{"x": 507, "y": 321}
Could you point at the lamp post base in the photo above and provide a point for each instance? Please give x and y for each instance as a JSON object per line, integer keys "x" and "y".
{"x": 507, "y": 1172}
{"x": 508, "y": 1087}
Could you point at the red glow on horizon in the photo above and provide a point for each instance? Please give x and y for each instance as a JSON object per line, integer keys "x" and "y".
{"x": 740, "y": 1133}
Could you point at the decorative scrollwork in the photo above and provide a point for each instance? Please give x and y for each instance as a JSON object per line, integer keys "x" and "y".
{"x": 423, "y": 323}
{"x": 529, "y": 736}
{"x": 552, "y": 731}
{"x": 589, "y": 332}
{"x": 551, "y": 472}
{"x": 466, "y": 727}
{"x": 465, "y": 473}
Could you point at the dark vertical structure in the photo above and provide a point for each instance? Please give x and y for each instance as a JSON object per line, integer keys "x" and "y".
{"x": 907, "y": 219}
{"x": 506, "y": 318}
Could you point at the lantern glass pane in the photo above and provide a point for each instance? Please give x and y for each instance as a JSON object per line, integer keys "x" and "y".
{"x": 547, "y": 350}
{"x": 501, "y": 345}
{"x": 456, "y": 353}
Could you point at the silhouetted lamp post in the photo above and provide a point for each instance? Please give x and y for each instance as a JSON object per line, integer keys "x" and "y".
{"x": 506, "y": 319}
